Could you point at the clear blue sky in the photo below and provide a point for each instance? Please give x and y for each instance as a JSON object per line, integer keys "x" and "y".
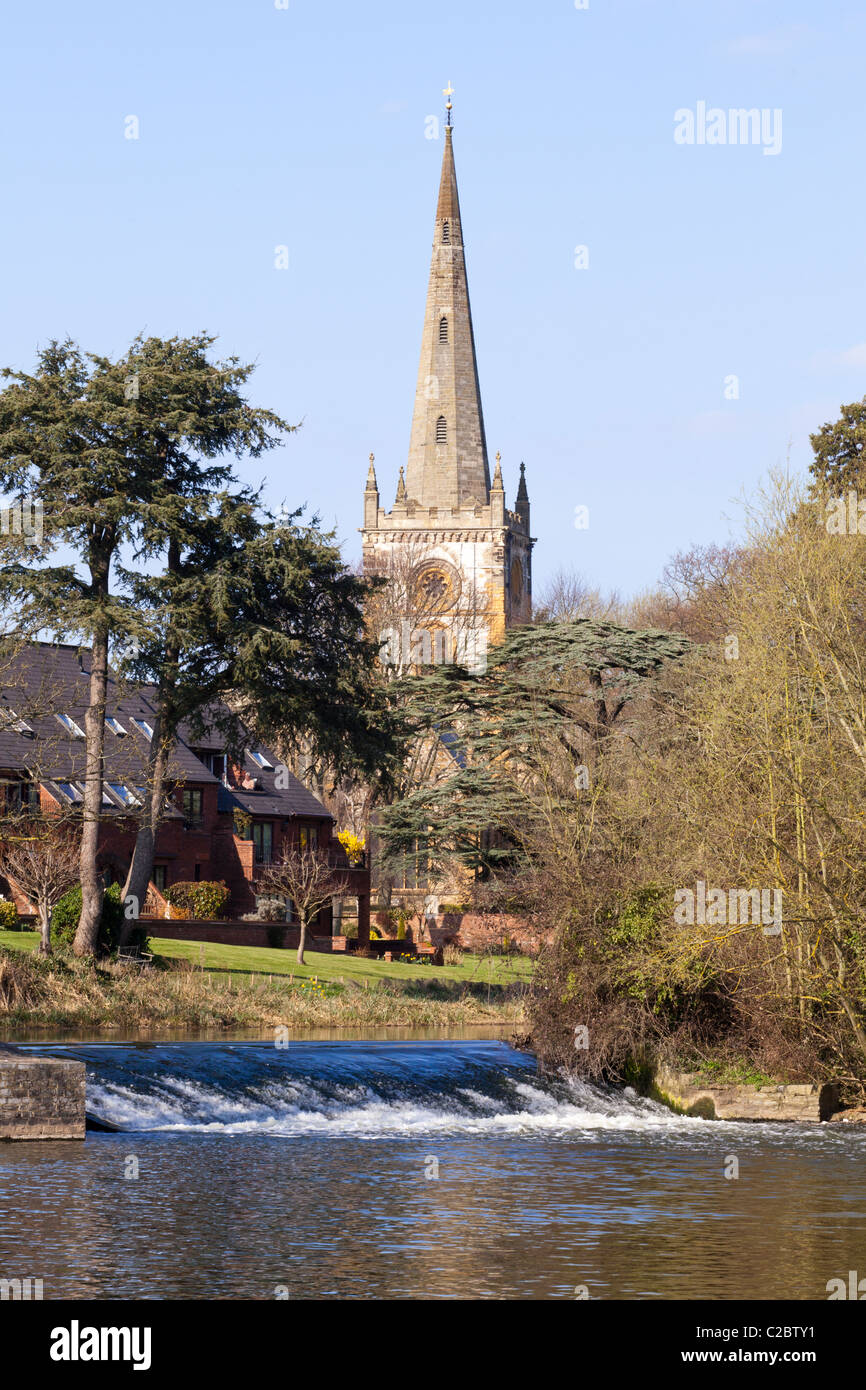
{"x": 305, "y": 126}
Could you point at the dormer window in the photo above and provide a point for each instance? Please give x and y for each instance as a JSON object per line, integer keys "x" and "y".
{"x": 441, "y": 431}
{"x": 70, "y": 726}
{"x": 18, "y": 726}
{"x": 443, "y": 329}
{"x": 71, "y": 791}
{"x": 123, "y": 794}
{"x": 217, "y": 763}
{"x": 446, "y": 232}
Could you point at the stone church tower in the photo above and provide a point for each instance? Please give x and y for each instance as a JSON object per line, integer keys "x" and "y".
{"x": 459, "y": 556}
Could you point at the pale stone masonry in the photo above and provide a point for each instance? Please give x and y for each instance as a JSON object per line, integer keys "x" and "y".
{"x": 449, "y": 524}
{"x": 447, "y": 450}
{"x": 714, "y": 1101}
{"x": 41, "y": 1097}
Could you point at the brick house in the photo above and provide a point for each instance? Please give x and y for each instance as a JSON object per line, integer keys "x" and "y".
{"x": 223, "y": 820}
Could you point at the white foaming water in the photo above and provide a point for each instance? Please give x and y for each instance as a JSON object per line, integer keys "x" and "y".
{"x": 301, "y": 1106}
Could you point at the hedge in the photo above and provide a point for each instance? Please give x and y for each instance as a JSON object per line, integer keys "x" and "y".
{"x": 204, "y": 898}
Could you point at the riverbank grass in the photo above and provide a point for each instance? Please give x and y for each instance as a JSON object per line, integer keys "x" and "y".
{"x": 207, "y": 986}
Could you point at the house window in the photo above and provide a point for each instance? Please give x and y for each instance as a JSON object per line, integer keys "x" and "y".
{"x": 443, "y": 329}
{"x": 263, "y": 841}
{"x": 193, "y": 806}
{"x": 308, "y": 837}
{"x": 114, "y": 725}
{"x": 446, "y": 231}
{"x": 259, "y": 759}
{"x": 197, "y": 873}
{"x": 143, "y": 727}
{"x": 21, "y": 796}
{"x": 159, "y": 878}
{"x": 441, "y": 431}
{"x": 218, "y": 765}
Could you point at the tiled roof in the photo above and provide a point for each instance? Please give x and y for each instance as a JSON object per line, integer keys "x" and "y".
{"x": 47, "y": 679}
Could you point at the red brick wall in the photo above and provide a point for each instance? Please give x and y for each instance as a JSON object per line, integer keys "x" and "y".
{"x": 234, "y": 934}
{"x": 477, "y": 931}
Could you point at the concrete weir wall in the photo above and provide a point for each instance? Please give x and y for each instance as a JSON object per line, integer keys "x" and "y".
{"x": 689, "y": 1093}
{"x": 40, "y": 1097}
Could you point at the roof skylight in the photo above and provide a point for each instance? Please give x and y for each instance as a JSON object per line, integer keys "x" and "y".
{"x": 70, "y": 726}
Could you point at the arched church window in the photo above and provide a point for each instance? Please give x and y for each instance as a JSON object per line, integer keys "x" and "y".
{"x": 446, "y": 231}
{"x": 441, "y": 431}
{"x": 443, "y": 329}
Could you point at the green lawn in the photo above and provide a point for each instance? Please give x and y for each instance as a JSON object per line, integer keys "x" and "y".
{"x": 264, "y": 960}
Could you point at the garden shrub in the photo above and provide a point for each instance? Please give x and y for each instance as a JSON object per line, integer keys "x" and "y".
{"x": 271, "y": 910}
{"x": 8, "y": 915}
{"x": 64, "y": 920}
{"x": 204, "y": 899}
{"x": 353, "y": 845}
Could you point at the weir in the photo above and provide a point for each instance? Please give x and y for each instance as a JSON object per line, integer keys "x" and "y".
{"x": 348, "y": 1089}
{"x": 360, "y": 1088}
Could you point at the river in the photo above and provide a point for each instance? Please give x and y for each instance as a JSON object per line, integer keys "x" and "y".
{"x": 416, "y": 1170}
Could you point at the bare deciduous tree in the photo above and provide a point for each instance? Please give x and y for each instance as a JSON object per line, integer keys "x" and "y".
{"x": 40, "y": 856}
{"x": 568, "y": 596}
{"x": 309, "y": 879}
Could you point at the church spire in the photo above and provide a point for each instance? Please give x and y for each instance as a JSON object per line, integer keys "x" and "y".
{"x": 447, "y": 464}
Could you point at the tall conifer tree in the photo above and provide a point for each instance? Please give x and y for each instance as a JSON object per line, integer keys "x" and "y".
{"x": 109, "y": 449}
